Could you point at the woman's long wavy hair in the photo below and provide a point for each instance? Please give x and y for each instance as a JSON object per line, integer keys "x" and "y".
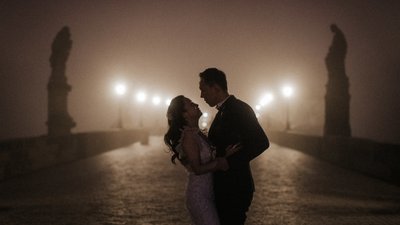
{"x": 176, "y": 122}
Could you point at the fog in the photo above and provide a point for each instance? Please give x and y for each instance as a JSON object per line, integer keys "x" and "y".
{"x": 161, "y": 47}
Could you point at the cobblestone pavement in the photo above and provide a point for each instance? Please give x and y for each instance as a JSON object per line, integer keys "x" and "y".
{"x": 138, "y": 185}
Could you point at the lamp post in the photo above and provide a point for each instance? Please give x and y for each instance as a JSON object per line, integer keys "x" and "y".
{"x": 265, "y": 101}
{"x": 120, "y": 89}
{"x": 141, "y": 98}
{"x": 156, "y": 100}
{"x": 287, "y": 92}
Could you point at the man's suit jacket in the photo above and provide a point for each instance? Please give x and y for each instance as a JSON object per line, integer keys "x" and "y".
{"x": 234, "y": 123}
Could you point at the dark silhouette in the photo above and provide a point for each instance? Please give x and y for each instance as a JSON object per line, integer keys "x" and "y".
{"x": 337, "y": 98}
{"x": 191, "y": 147}
{"x": 234, "y": 123}
{"x": 59, "y": 121}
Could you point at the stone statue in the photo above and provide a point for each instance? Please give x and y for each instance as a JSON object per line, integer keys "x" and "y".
{"x": 59, "y": 122}
{"x": 60, "y": 48}
{"x": 337, "y": 99}
{"x": 335, "y": 60}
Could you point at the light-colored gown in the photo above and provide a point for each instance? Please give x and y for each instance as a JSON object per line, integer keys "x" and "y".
{"x": 199, "y": 189}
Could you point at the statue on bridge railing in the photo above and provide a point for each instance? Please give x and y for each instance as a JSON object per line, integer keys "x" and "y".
{"x": 337, "y": 99}
{"x": 59, "y": 121}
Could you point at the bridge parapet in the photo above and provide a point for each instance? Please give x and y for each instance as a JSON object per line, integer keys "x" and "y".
{"x": 25, "y": 155}
{"x": 372, "y": 158}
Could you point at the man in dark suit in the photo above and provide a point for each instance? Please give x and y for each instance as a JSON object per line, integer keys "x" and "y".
{"x": 234, "y": 123}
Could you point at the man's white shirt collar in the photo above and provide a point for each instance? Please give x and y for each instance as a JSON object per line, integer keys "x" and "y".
{"x": 221, "y": 103}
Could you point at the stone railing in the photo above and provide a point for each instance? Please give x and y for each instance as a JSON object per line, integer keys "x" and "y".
{"x": 21, "y": 156}
{"x": 372, "y": 158}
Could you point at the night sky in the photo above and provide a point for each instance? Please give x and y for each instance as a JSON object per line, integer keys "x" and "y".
{"x": 161, "y": 46}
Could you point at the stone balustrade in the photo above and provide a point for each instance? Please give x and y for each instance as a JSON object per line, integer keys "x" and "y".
{"x": 372, "y": 158}
{"x": 25, "y": 155}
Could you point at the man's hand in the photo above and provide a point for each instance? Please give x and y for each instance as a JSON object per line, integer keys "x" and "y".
{"x": 222, "y": 164}
{"x": 232, "y": 149}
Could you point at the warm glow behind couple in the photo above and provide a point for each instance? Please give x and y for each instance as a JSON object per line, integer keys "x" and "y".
{"x": 220, "y": 184}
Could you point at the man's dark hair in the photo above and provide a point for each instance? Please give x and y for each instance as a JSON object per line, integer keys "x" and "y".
{"x": 212, "y": 76}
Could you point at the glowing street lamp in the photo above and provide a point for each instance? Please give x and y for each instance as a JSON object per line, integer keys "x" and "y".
{"x": 156, "y": 100}
{"x": 141, "y": 96}
{"x": 267, "y": 99}
{"x": 287, "y": 92}
{"x": 168, "y": 101}
{"x": 204, "y": 119}
{"x": 120, "y": 90}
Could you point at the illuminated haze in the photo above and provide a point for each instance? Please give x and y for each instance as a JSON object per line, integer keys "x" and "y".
{"x": 161, "y": 46}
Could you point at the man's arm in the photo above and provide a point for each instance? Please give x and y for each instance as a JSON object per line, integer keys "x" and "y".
{"x": 254, "y": 141}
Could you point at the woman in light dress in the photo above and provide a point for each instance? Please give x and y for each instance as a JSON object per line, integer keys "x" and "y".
{"x": 191, "y": 147}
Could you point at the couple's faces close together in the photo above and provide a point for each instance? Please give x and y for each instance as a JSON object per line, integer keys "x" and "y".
{"x": 208, "y": 93}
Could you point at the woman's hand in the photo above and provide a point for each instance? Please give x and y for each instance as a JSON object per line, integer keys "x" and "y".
{"x": 232, "y": 149}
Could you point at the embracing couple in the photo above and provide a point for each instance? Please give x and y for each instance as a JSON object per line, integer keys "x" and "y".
{"x": 220, "y": 184}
